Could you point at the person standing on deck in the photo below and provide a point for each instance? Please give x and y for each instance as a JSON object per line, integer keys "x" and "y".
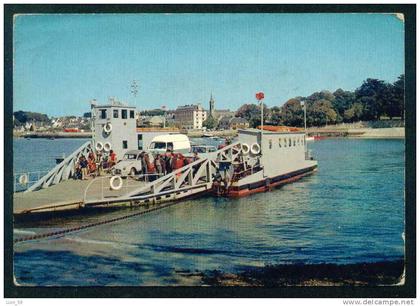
{"x": 168, "y": 161}
{"x": 158, "y": 165}
{"x": 162, "y": 163}
{"x": 143, "y": 165}
{"x": 195, "y": 158}
{"x": 84, "y": 167}
{"x": 112, "y": 159}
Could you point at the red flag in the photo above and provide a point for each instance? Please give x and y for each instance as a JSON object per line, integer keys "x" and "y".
{"x": 259, "y": 96}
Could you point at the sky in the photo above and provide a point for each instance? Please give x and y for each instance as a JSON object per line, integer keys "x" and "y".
{"x": 63, "y": 61}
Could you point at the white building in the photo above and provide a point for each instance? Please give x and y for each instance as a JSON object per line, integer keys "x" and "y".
{"x": 190, "y": 116}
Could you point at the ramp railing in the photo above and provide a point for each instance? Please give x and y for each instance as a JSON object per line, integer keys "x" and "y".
{"x": 194, "y": 178}
{"x": 63, "y": 171}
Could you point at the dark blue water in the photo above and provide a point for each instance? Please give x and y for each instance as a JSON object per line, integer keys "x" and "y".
{"x": 36, "y": 154}
{"x": 351, "y": 210}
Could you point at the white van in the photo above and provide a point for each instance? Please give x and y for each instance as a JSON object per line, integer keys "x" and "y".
{"x": 178, "y": 143}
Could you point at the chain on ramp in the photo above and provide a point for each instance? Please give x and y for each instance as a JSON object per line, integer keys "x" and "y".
{"x": 82, "y": 227}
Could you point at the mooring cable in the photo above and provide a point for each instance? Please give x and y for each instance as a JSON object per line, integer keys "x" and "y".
{"x": 89, "y": 225}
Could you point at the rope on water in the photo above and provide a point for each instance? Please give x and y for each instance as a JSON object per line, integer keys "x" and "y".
{"x": 89, "y": 225}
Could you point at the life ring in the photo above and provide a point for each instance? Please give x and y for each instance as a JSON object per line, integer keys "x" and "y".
{"x": 255, "y": 149}
{"x": 99, "y": 146}
{"x": 112, "y": 180}
{"x": 108, "y": 128}
{"x": 23, "y": 179}
{"x": 245, "y": 148}
{"x": 107, "y": 146}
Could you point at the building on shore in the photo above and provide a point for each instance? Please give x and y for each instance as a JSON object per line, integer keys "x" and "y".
{"x": 218, "y": 113}
{"x": 232, "y": 123}
{"x": 153, "y": 121}
{"x": 211, "y": 107}
{"x": 190, "y": 116}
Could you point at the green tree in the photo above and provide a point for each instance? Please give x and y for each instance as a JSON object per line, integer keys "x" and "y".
{"x": 320, "y": 113}
{"x": 252, "y": 113}
{"x": 292, "y": 113}
{"x": 210, "y": 122}
{"x": 342, "y": 102}
{"x": 275, "y": 116}
{"x": 354, "y": 113}
{"x": 373, "y": 95}
{"x": 322, "y": 95}
{"x": 396, "y": 107}
{"x": 23, "y": 117}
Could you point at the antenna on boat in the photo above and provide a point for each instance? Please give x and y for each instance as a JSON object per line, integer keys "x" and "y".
{"x": 134, "y": 89}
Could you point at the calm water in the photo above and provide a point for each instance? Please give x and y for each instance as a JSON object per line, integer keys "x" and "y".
{"x": 351, "y": 210}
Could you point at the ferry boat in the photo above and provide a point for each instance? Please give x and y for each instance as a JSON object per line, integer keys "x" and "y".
{"x": 268, "y": 159}
{"x": 256, "y": 161}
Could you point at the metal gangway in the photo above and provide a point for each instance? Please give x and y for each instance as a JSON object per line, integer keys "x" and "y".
{"x": 55, "y": 191}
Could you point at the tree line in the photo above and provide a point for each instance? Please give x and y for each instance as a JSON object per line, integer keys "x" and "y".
{"x": 22, "y": 117}
{"x": 371, "y": 101}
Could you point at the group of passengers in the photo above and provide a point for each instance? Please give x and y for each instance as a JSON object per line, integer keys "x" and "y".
{"x": 163, "y": 163}
{"x": 94, "y": 164}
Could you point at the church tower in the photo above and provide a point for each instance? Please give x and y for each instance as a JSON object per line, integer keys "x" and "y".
{"x": 211, "y": 106}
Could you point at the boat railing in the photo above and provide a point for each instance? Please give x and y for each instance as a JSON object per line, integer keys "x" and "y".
{"x": 24, "y": 180}
{"x": 101, "y": 188}
{"x": 241, "y": 174}
{"x": 63, "y": 171}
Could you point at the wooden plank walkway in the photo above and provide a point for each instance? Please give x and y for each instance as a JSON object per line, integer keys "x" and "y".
{"x": 69, "y": 195}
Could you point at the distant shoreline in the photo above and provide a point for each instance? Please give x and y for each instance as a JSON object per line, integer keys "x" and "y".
{"x": 364, "y": 133}
{"x": 50, "y": 135}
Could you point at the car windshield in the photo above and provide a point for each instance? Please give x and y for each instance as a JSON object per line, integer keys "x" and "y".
{"x": 199, "y": 149}
{"x": 130, "y": 156}
{"x": 158, "y": 145}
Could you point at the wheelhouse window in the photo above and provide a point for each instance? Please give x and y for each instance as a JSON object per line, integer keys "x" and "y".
{"x": 279, "y": 142}
{"x": 131, "y": 114}
{"x": 270, "y": 144}
{"x": 115, "y": 113}
{"x": 124, "y": 144}
{"x": 290, "y": 142}
{"x": 124, "y": 114}
{"x": 285, "y": 142}
{"x": 103, "y": 113}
